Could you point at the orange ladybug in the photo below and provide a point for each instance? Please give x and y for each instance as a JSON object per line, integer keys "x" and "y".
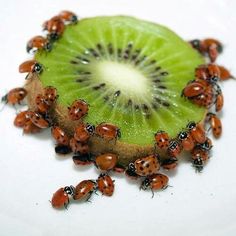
{"x": 83, "y": 159}
{"x": 60, "y": 136}
{"x": 208, "y": 72}
{"x": 78, "y": 109}
{"x": 38, "y": 43}
{"x": 37, "y": 119}
{"x": 106, "y": 162}
{"x": 206, "y": 146}
{"x": 41, "y": 104}
{"x": 193, "y": 89}
{"x": 199, "y": 157}
{"x": 186, "y": 140}
{"x": 83, "y": 132}
{"x": 105, "y": 184}
{"x": 50, "y": 95}
{"x": 108, "y": 131}
{"x": 145, "y": 166}
{"x": 61, "y": 197}
{"x": 225, "y": 73}
{"x": 55, "y": 27}
{"x": 169, "y": 163}
{"x": 15, "y": 96}
{"x": 68, "y": 16}
{"x": 197, "y": 132}
{"x": 162, "y": 139}
{"x": 219, "y": 101}
{"x": 215, "y": 123}
{"x": 78, "y": 147}
{"x": 21, "y": 119}
{"x": 155, "y": 182}
{"x": 85, "y": 189}
{"x": 30, "y": 128}
{"x": 30, "y": 66}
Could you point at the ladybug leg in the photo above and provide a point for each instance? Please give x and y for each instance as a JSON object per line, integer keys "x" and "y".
{"x": 89, "y": 196}
{"x": 152, "y": 193}
{"x": 66, "y": 205}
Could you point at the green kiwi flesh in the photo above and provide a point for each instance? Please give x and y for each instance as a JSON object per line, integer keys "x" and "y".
{"x": 130, "y": 72}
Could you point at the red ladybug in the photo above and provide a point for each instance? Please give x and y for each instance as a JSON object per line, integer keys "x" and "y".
{"x": 174, "y": 148}
{"x": 55, "y": 27}
{"x": 169, "y": 163}
{"x": 15, "y": 96}
{"x": 61, "y": 197}
{"x": 105, "y": 184}
{"x": 85, "y": 189}
{"x": 199, "y": 157}
{"x": 219, "y": 103}
{"x": 68, "y": 16}
{"x": 186, "y": 140}
{"x": 197, "y": 132}
{"x": 193, "y": 89}
{"x": 206, "y": 146}
{"x": 38, "y": 120}
{"x": 60, "y": 136}
{"x": 41, "y": 105}
{"x": 162, "y": 139}
{"x": 30, "y": 66}
{"x": 145, "y": 166}
{"x": 83, "y": 159}
{"x": 78, "y": 147}
{"x": 155, "y": 182}
{"x": 208, "y": 72}
{"x": 83, "y": 132}
{"x": 38, "y": 43}
{"x": 108, "y": 131}
{"x": 78, "y": 109}
{"x": 215, "y": 123}
{"x": 50, "y": 95}
{"x": 225, "y": 73}
{"x": 62, "y": 149}
{"x": 21, "y": 119}
{"x": 106, "y": 162}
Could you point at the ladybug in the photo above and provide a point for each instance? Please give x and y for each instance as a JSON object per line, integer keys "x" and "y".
{"x": 60, "y": 136}
{"x": 78, "y": 109}
{"x": 83, "y": 132}
{"x": 145, "y": 165}
{"x": 50, "y": 95}
{"x": 68, "y": 16}
{"x": 174, "y": 148}
{"x": 129, "y": 172}
{"x": 162, "y": 139}
{"x": 78, "y": 147}
{"x": 61, "y": 197}
{"x": 62, "y": 149}
{"x": 85, "y": 189}
{"x": 30, "y": 127}
{"x": 15, "y": 96}
{"x": 169, "y": 163}
{"x": 186, "y": 140}
{"x": 55, "y": 27}
{"x": 199, "y": 157}
{"x": 41, "y": 104}
{"x": 21, "y": 119}
{"x": 108, "y": 131}
{"x": 106, "y": 162}
{"x": 224, "y": 73}
{"x": 193, "y": 89}
{"x": 105, "y": 184}
{"x": 155, "y": 182}
{"x": 205, "y": 99}
{"x": 215, "y": 123}
{"x": 219, "y": 102}
{"x": 30, "y": 66}
{"x": 197, "y": 132}
{"x": 37, "y": 119}
{"x": 82, "y": 159}
{"x": 38, "y": 43}
{"x": 196, "y": 44}
{"x": 212, "y": 48}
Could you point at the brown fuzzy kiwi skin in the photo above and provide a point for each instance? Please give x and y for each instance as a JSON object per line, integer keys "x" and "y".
{"x": 126, "y": 152}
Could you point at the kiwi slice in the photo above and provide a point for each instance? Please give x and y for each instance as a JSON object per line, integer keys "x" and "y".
{"x": 130, "y": 72}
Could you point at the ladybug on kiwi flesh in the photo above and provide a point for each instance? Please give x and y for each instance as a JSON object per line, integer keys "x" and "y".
{"x": 83, "y": 132}
{"x": 162, "y": 139}
{"x": 68, "y": 17}
{"x": 61, "y": 197}
{"x": 30, "y": 66}
{"x": 107, "y": 131}
{"x": 50, "y": 95}
{"x": 38, "y": 43}
{"x": 78, "y": 109}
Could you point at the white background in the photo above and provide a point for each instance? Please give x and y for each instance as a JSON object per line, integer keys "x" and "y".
{"x": 197, "y": 204}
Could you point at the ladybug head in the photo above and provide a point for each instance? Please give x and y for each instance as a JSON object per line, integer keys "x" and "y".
{"x": 70, "y": 190}
{"x": 90, "y": 129}
{"x": 37, "y": 68}
{"x": 191, "y": 125}
{"x": 207, "y": 145}
{"x": 198, "y": 164}
{"x": 48, "y": 47}
{"x": 131, "y": 167}
{"x": 53, "y": 36}
{"x": 196, "y": 43}
{"x": 118, "y": 133}
{"x": 183, "y": 135}
{"x": 145, "y": 184}
{"x": 74, "y": 19}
